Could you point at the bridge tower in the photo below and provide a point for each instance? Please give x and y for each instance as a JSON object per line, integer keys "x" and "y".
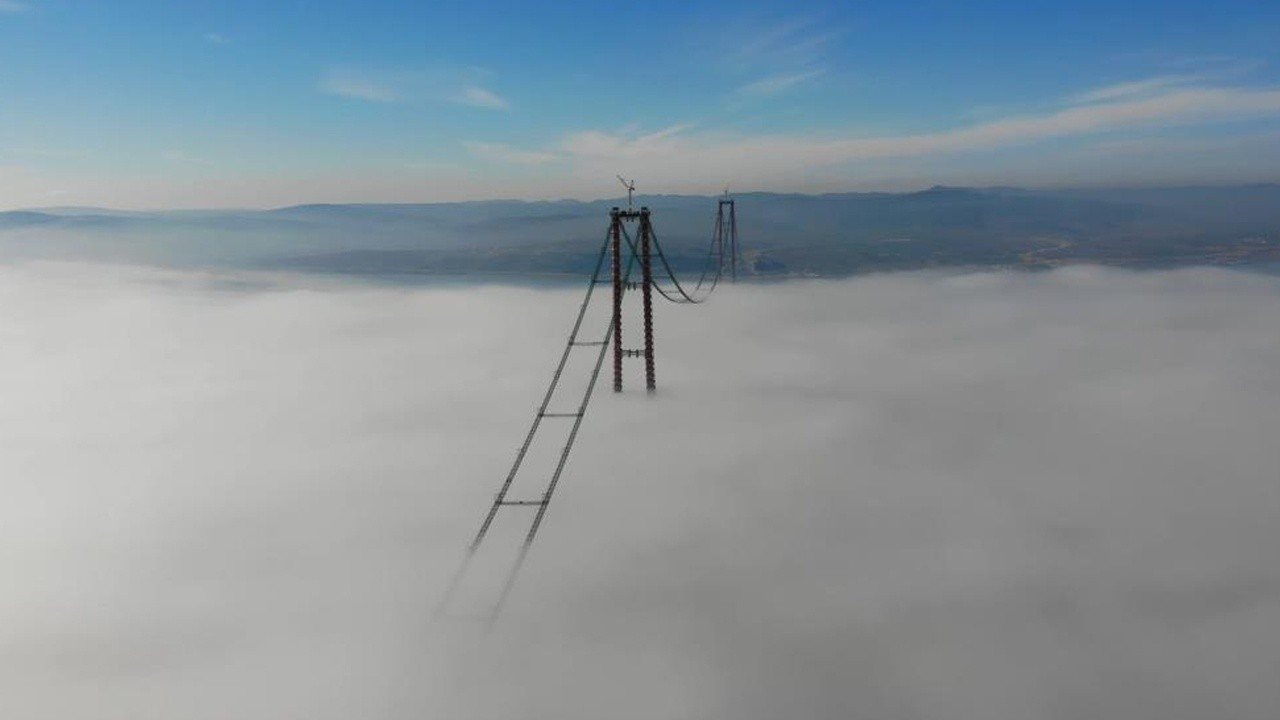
{"x": 726, "y": 232}
{"x": 620, "y": 285}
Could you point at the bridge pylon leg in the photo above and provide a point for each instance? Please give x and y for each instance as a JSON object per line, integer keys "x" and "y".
{"x": 615, "y": 233}
{"x": 646, "y": 270}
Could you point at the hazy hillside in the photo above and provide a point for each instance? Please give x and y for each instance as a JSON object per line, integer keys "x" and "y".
{"x": 781, "y": 234}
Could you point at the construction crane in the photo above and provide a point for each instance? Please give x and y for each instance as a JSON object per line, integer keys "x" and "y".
{"x": 630, "y": 185}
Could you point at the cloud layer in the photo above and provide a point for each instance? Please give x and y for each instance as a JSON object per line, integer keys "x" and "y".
{"x": 686, "y": 158}
{"x": 982, "y": 496}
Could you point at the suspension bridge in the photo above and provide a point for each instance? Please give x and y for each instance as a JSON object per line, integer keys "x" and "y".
{"x": 620, "y": 252}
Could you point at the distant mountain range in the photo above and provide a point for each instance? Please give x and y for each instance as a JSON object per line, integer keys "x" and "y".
{"x": 782, "y": 234}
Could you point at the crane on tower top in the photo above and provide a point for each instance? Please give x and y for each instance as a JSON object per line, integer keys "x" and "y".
{"x": 630, "y": 185}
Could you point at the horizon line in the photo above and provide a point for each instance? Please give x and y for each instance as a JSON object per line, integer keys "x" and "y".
{"x": 608, "y": 198}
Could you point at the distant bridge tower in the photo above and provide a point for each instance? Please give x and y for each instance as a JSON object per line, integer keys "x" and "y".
{"x": 727, "y": 233}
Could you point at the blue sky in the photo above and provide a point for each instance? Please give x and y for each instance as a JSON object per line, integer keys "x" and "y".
{"x": 143, "y": 104}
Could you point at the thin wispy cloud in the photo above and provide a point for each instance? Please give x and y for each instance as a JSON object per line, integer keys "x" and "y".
{"x": 457, "y": 86}
{"x": 1131, "y": 89}
{"x": 217, "y": 38}
{"x": 795, "y": 43}
{"x": 622, "y": 146}
{"x": 775, "y": 84}
{"x": 346, "y": 83}
{"x": 769, "y": 57}
{"x": 477, "y": 96}
{"x": 13, "y": 7}
{"x": 765, "y": 59}
{"x": 500, "y": 152}
{"x": 1174, "y": 107}
{"x": 683, "y": 155}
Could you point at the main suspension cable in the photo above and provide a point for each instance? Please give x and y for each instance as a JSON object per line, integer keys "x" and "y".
{"x": 685, "y": 298}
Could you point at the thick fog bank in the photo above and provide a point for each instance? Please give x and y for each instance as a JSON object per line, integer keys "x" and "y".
{"x": 986, "y": 497}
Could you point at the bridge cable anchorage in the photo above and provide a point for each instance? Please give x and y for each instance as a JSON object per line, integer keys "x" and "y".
{"x": 612, "y": 336}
